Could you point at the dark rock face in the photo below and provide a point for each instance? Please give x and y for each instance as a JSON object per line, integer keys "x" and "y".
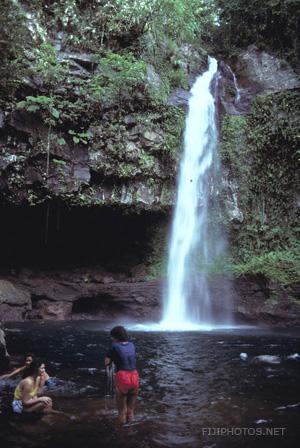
{"x": 14, "y": 301}
{"x": 88, "y": 293}
{"x": 180, "y": 98}
{"x": 79, "y": 294}
{"x": 251, "y": 73}
{"x": 269, "y": 73}
{"x": 259, "y": 300}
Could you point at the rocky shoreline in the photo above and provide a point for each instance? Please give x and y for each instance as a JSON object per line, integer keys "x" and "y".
{"x": 82, "y": 293}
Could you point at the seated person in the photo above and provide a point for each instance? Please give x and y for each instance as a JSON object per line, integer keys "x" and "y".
{"x": 20, "y": 370}
{"x": 29, "y": 358}
{"x": 26, "y": 397}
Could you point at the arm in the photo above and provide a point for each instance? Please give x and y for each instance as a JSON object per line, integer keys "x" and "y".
{"x": 13, "y": 374}
{"x": 27, "y": 400}
{"x": 107, "y": 361}
{"x": 42, "y": 381}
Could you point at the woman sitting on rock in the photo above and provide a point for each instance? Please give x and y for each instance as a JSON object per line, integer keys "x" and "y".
{"x": 26, "y": 397}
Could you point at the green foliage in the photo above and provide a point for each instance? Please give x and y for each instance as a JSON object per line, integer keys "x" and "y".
{"x": 41, "y": 103}
{"x": 59, "y": 161}
{"x": 157, "y": 258}
{"x": 172, "y": 121}
{"x": 47, "y": 66}
{"x": 233, "y": 148}
{"x": 261, "y": 152}
{"x": 119, "y": 78}
{"x": 79, "y": 137}
{"x": 280, "y": 266}
{"x": 118, "y": 23}
{"x": 14, "y": 38}
{"x": 272, "y": 24}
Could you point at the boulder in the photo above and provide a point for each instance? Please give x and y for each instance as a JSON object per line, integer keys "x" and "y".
{"x": 13, "y": 296}
{"x": 193, "y": 60}
{"x": 268, "y": 72}
{"x": 266, "y": 359}
{"x": 179, "y": 97}
{"x": 250, "y": 73}
{"x": 152, "y": 78}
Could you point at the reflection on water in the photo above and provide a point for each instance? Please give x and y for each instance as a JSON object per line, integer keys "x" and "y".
{"x": 189, "y": 382}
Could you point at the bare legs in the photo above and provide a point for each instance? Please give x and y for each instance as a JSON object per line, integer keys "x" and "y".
{"x": 122, "y": 406}
{"x": 126, "y": 404}
{"x": 45, "y": 407}
{"x": 131, "y": 399}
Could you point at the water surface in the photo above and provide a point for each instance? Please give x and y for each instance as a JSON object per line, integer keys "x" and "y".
{"x": 190, "y": 381}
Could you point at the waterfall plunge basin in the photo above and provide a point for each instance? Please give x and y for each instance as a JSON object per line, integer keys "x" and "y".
{"x": 190, "y": 381}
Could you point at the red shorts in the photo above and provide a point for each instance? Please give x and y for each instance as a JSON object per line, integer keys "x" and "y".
{"x": 127, "y": 381}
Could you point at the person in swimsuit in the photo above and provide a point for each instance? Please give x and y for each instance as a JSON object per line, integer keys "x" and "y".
{"x": 122, "y": 354}
{"x": 45, "y": 380}
{"x": 20, "y": 370}
{"x": 26, "y": 393}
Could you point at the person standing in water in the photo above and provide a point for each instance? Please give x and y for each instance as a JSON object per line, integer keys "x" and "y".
{"x": 122, "y": 354}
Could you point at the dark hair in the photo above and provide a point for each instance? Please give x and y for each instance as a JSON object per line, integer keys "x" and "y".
{"x": 29, "y": 354}
{"x": 33, "y": 368}
{"x": 119, "y": 333}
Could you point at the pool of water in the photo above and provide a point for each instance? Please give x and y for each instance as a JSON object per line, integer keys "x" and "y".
{"x": 196, "y": 391}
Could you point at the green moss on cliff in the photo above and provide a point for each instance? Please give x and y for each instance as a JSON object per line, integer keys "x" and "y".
{"x": 261, "y": 152}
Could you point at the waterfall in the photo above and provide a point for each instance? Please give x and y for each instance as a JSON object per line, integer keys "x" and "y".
{"x": 236, "y": 86}
{"x": 195, "y": 242}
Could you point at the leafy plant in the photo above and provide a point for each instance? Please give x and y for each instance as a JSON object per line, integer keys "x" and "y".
{"x": 79, "y": 137}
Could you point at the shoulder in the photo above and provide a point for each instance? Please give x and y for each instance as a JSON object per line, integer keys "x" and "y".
{"x": 26, "y": 383}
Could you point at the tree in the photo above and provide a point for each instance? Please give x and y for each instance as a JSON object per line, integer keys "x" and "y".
{"x": 14, "y": 36}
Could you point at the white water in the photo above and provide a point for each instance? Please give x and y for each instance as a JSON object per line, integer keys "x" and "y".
{"x": 187, "y": 301}
{"x": 236, "y": 86}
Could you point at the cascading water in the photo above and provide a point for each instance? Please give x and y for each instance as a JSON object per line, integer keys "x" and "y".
{"x": 236, "y": 86}
{"x": 194, "y": 244}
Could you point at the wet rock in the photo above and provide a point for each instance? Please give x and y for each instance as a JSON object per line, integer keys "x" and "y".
{"x": 85, "y": 60}
{"x": 106, "y": 280}
{"x": 130, "y": 121}
{"x": 2, "y": 120}
{"x": 152, "y": 78}
{"x": 269, "y": 73}
{"x": 249, "y": 74}
{"x": 180, "y": 98}
{"x": 266, "y": 359}
{"x": 193, "y": 60}
{"x": 139, "y": 272}
{"x": 12, "y": 295}
{"x": 287, "y": 407}
{"x": 53, "y": 311}
{"x": 28, "y": 123}
{"x": 232, "y": 199}
{"x": 293, "y": 357}
{"x": 256, "y": 299}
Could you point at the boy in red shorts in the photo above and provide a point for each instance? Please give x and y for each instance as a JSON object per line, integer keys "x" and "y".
{"x": 122, "y": 353}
